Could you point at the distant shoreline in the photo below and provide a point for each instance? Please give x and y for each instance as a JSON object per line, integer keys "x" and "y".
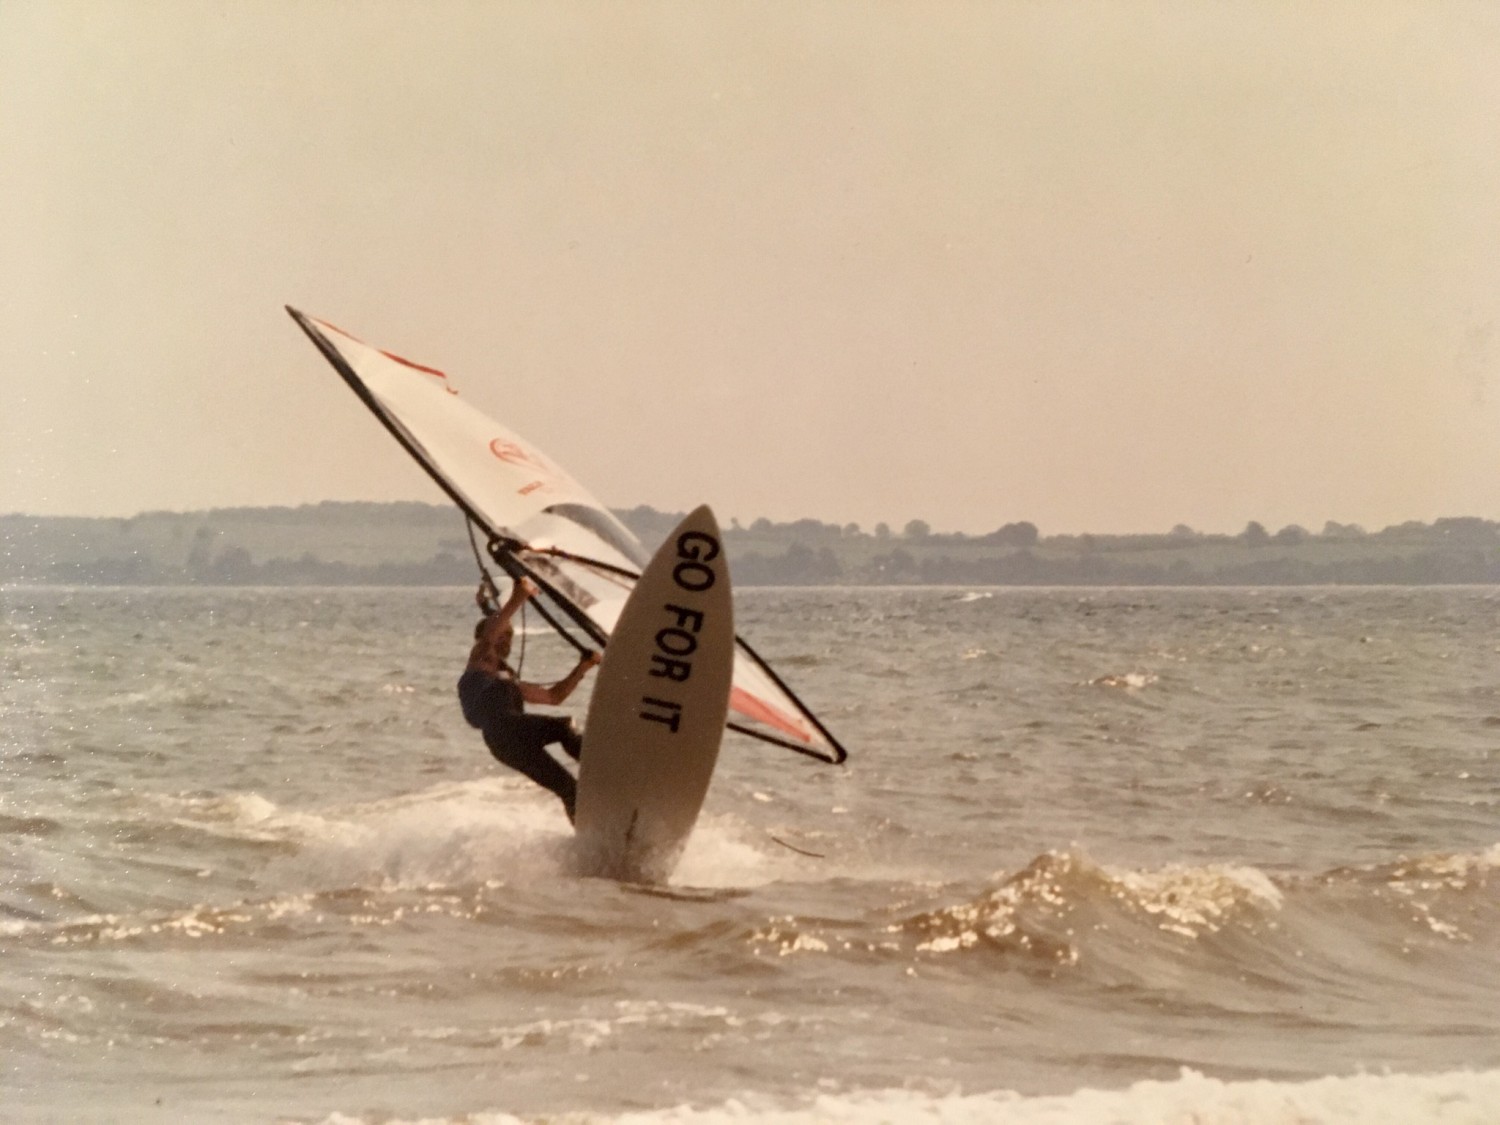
{"x": 337, "y": 544}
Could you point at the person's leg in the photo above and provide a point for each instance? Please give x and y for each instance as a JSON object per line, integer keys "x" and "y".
{"x": 520, "y": 744}
{"x": 565, "y": 733}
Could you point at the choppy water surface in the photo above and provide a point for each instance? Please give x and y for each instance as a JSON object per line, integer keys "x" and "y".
{"x": 257, "y": 868}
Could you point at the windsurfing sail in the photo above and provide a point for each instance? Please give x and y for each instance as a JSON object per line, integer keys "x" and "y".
{"x": 541, "y": 523}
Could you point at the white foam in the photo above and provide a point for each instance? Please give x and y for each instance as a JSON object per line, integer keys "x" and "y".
{"x": 1453, "y": 1098}
{"x": 234, "y": 815}
{"x": 725, "y": 852}
{"x": 1194, "y": 900}
{"x": 460, "y": 833}
{"x": 452, "y": 834}
{"x": 1131, "y": 681}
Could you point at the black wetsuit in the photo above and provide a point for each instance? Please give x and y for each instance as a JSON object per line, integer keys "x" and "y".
{"x": 493, "y": 704}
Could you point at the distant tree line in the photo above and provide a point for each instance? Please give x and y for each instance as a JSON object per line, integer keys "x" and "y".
{"x": 424, "y": 544}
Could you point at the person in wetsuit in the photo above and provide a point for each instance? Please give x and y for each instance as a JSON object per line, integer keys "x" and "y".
{"x": 493, "y": 700}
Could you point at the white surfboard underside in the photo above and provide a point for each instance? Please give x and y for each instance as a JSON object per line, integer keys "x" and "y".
{"x": 657, "y": 714}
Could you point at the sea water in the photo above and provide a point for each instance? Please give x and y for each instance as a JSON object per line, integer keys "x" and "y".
{"x": 1097, "y": 856}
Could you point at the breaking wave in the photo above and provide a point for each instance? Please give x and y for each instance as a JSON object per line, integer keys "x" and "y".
{"x": 1450, "y": 1098}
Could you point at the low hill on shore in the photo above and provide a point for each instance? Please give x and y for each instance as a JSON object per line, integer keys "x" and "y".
{"x": 336, "y": 543}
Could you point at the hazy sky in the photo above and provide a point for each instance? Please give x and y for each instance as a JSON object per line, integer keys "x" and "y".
{"x": 1101, "y": 266}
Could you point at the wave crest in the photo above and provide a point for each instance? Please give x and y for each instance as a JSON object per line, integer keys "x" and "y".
{"x": 1043, "y": 910}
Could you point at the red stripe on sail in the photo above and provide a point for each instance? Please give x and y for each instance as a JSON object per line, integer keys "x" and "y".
{"x": 754, "y": 707}
{"x": 419, "y": 367}
{"x": 393, "y": 356}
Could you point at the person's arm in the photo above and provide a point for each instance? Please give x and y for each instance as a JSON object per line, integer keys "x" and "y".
{"x": 499, "y": 621}
{"x": 553, "y": 694}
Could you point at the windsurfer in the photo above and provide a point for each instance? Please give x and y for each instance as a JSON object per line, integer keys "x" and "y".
{"x": 493, "y": 699}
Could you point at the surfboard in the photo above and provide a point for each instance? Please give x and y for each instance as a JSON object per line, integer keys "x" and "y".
{"x": 657, "y": 713}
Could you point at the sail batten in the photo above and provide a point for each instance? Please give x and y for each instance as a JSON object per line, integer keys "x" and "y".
{"x": 539, "y": 521}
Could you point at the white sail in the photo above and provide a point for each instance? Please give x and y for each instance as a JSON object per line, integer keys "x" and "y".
{"x": 541, "y": 522}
